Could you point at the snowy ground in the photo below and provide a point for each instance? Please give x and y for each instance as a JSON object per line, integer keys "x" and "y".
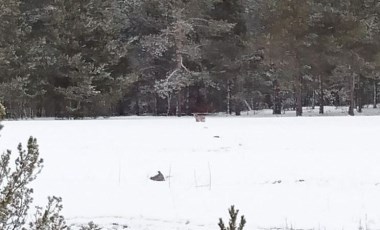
{"x": 304, "y": 173}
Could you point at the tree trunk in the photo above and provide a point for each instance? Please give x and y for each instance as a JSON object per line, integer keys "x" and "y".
{"x": 178, "y": 106}
{"x": 321, "y": 97}
{"x": 359, "y": 95}
{"x": 237, "y": 107}
{"x": 276, "y": 99}
{"x": 188, "y": 112}
{"x": 155, "y": 110}
{"x": 352, "y": 95}
{"x": 228, "y": 97}
{"x": 374, "y": 94}
{"x": 137, "y": 105}
{"x": 299, "y": 96}
{"x": 314, "y": 94}
{"x": 249, "y": 107}
{"x": 169, "y": 98}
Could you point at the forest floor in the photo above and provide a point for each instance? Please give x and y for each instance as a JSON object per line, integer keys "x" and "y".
{"x": 319, "y": 172}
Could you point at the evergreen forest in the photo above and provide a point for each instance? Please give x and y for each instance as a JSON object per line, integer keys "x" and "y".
{"x": 90, "y": 58}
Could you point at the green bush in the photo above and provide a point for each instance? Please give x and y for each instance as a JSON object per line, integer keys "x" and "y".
{"x": 49, "y": 218}
{"x": 16, "y": 195}
{"x": 232, "y": 225}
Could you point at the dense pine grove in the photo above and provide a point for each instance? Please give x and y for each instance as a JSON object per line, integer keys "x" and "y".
{"x": 70, "y": 58}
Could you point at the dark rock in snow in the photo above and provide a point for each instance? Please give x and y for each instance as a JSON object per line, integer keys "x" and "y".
{"x": 158, "y": 177}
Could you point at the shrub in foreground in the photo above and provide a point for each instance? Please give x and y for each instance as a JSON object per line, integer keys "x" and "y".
{"x": 16, "y": 195}
{"x": 232, "y": 225}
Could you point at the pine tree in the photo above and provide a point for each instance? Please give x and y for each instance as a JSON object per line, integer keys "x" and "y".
{"x": 186, "y": 29}
{"x": 49, "y": 218}
{"x": 232, "y": 224}
{"x": 16, "y": 196}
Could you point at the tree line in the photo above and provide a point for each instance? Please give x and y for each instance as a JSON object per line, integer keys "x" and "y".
{"x": 68, "y": 58}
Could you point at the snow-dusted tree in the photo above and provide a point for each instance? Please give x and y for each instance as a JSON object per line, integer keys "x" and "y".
{"x": 19, "y": 93}
{"x": 16, "y": 195}
{"x": 355, "y": 37}
{"x": 49, "y": 218}
{"x": 10, "y": 17}
{"x": 81, "y": 90}
{"x": 232, "y": 58}
{"x": 73, "y": 46}
{"x": 287, "y": 36}
{"x": 90, "y": 43}
{"x": 186, "y": 30}
{"x": 9, "y": 31}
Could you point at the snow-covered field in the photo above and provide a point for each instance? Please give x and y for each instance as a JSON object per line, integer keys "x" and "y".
{"x": 306, "y": 172}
